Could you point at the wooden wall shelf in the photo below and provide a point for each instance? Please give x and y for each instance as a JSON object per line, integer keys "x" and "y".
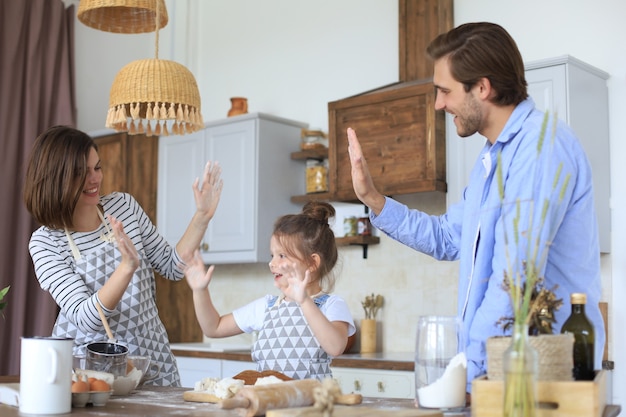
{"x": 318, "y": 153}
{"x": 357, "y": 240}
{"x": 321, "y": 154}
{"x": 301, "y": 199}
{"x": 363, "y": 241}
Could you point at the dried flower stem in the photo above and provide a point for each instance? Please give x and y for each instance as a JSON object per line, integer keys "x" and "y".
{"x": 371, "y": 305}
{"x": 522, "y": 276}
{"x": 522, "y": 280}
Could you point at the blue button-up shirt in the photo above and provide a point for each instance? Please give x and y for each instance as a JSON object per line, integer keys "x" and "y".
{"x": 473, "y": 231}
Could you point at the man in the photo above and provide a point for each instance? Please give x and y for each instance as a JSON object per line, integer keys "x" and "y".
{"x": 479, "y": 79}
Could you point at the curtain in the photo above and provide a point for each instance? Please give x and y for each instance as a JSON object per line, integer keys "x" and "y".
{"x": 37, "y": 91}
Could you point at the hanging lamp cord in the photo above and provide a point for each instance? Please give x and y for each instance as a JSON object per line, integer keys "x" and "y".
{"x": 156, "y": 37}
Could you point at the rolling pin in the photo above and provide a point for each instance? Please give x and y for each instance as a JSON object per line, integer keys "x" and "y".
{"x": 256, "y": 400}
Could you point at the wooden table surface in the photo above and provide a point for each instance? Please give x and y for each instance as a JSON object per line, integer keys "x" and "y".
{"x": 167, "y": 401}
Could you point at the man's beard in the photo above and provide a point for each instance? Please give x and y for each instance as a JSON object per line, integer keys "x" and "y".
{"x": 470, "y": 120}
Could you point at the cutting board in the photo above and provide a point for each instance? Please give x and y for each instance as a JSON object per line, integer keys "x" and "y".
{"x": 200, "y": 397}
{"x": 347, "y": 411}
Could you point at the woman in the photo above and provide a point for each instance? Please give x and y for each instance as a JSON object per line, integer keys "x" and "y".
{"x": 94, "y": 249}
{"x": 303, "y": 328}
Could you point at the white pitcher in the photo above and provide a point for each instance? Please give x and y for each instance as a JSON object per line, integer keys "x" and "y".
{"x": 46, "y": 375}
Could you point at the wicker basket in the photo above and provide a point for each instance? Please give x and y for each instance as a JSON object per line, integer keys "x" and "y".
{"x": 122, "y": 16}
{"x": 555, "y": 351}
{"x": 166, "y": 91}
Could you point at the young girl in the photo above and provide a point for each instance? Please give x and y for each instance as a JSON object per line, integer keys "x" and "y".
{"x": 95, "y": 249}
{"x": 303, "y": 328}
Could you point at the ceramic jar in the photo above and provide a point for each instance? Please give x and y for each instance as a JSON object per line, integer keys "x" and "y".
{"x": 239, "y": 105}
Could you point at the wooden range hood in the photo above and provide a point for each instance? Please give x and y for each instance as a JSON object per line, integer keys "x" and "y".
{"x": 402, "y": 136}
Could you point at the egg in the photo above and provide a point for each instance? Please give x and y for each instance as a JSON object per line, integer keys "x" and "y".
{"x": 99, "y": 385}
{"x": 80, "y": 386}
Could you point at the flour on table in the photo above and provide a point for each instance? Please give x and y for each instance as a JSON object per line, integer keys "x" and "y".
{"x": 266, "y": 380}
{"x": 228, "y": 387}
{"x": 221, "y": 388}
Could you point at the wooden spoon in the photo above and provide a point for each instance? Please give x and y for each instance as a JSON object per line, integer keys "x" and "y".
{"x": 106, "y": 323}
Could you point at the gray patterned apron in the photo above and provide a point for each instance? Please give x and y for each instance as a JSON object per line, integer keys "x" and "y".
{"x": 286, "y": 343}
{"x": 135, "y": 322}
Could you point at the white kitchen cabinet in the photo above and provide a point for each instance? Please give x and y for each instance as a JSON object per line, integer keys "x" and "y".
{"x": 259, "y": 180}
{"x": 578, "y": 93}
{"x": 375, "y": 382}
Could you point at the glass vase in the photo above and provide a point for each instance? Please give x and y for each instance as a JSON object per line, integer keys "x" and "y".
{"x": 520, "y": 375}
{"x": 440, "y": 363}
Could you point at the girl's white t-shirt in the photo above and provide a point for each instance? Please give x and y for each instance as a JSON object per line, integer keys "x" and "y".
{"x": 250, "y": 317}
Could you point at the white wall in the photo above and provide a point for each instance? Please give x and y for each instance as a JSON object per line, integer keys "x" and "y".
{"x": 291, "y": 58}
{"x": 287, "y": 57}
{"x": 99, "y": 57}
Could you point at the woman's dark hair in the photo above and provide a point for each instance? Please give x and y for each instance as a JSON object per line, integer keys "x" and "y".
{"x": 55, "y": 175}
{"x": 308, "y": 233}
{"x": 477, "y": 50}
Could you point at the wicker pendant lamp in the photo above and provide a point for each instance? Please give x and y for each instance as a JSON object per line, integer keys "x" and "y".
{"x": 154, "y": 97}
{"x": 122, "y": 16}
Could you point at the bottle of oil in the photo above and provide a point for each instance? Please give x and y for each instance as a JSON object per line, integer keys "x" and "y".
{"x": 579, "y": 325}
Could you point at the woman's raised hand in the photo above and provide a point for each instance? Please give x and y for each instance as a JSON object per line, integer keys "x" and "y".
{"x": 130, "y": 257}
{"x": 207, "y": 196}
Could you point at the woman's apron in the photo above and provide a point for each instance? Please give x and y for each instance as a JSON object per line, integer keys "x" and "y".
{"x": 135, "y": 321}
{"x": 286, "y": 343}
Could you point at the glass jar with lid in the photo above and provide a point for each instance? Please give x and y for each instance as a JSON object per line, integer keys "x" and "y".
{"x": 316, "y": 176}
{"x": 313, "y": 139}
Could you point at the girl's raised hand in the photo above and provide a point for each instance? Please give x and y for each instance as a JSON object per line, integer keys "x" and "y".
{"x": 298, "y": 282}
{"x": 197, "y": 277}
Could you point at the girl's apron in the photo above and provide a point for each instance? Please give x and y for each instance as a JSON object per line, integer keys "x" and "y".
{"x": 135, "y": 321}
{"x": 286, "y": 343}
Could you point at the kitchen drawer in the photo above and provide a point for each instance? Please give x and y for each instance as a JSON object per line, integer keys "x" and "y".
{"x": 376, "y": 383}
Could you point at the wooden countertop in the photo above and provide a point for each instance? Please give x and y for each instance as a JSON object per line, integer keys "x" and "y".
{"x": 395, "y": 361}
{"x": 402, "y": 361}
{"x": 235, "y": 355}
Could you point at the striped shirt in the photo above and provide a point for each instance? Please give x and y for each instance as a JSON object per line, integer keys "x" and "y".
{"x": 74, "y": 284}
